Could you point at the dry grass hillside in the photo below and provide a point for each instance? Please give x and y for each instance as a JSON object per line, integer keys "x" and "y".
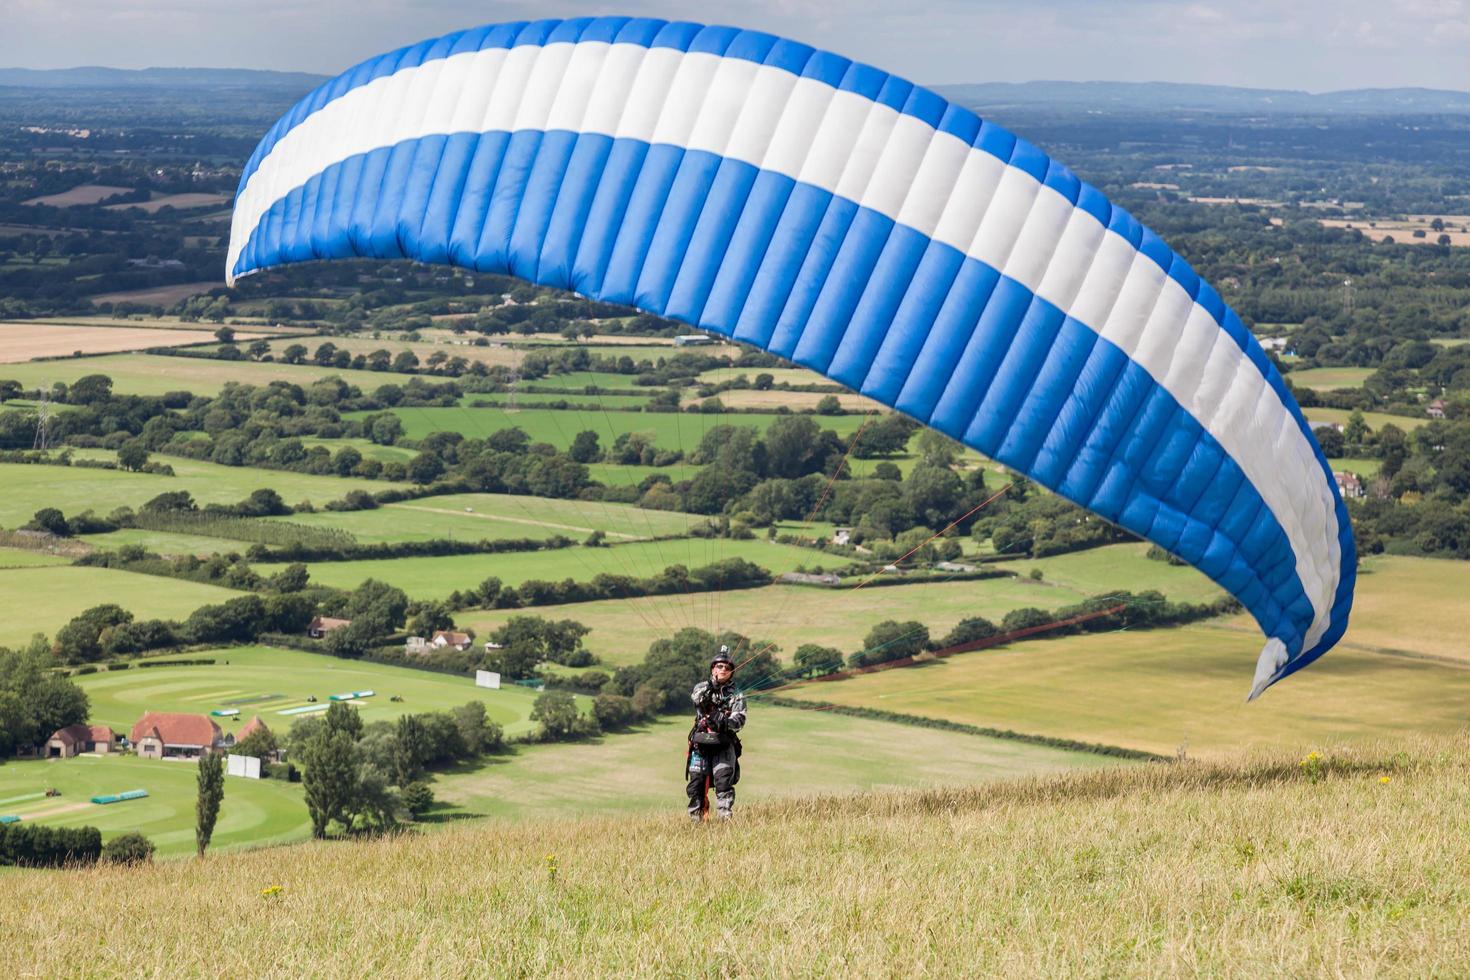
{"x": 1355, "y": 864}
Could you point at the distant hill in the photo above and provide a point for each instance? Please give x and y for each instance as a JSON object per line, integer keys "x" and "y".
{"x": 93, "y": 77}
{"x": 1172, "y": 97}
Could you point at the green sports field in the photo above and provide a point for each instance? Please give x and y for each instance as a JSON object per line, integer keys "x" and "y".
{"x": 43, "y": 599}
{"x": 476, "y": 516}
{"x": 254, "y": 812}
{"x": 266, "y": 681}
{"x": 435, "y": 578}
{"x": 75, "y": 489}
{"x": 787, "y": 753}
{"x": 670, "y": 430}
{"x": 149, "y": 374}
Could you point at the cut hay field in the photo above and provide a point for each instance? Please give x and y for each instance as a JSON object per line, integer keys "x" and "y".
{"x": 1402, "y": 230}
{"x": 145, "y": 374}
{"x": 671, "y": 430}
{"x": 436, "y": 578}
{"x": 1241, "y": 869}
{"x": 254, "y": 812}
{"x": 787, "y": 754}
{"x": 792, "y": 615}
{"x": 1326, "y": 379}
{"x": 790, "y": 376}
{"x": 794, "y": 400}
{"x": 24, "y": 341}
{"x": 159, "y": 295}
{"x": 84, "y": 194}
{"x": 42, "y": 599}
{"x": 477, "y": 516}
{"x": 75, "y": 489}
{"x": 265, "y": 681}
{"x": 178, "y": 201}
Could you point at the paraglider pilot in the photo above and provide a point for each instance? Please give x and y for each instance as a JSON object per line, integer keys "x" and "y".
{"x": 714, "y": 746}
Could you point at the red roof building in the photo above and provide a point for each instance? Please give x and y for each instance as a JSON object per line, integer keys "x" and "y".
{"x": 322, "y": 625}
{"x": 173, "y": 735}
{"x": 251, "y": 727}
{"x": 67, "y": 742}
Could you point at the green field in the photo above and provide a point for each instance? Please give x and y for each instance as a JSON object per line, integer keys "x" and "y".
{"x": 435, "y": 578}
{"x": 148, "y": 374}
{"x": 165, "y": 542}
{"x": 579, "y": 379}
{"x": 1167, "y": 690}
{"x": 671, "y": 430}
{"x": 792, "y": 615}
{"x": 24, "y": 558}
{"x": 42, "y": 600}
{"x": 368, "y": 448}
{"x": 476, "y": 516}
{"x": 619, "y": 475}
{"x": 287, "y": 678}
{"x": 1328, "y": 378}
{"x": 791, "y": 376}
{"x": 75, "y": 489}
{"x": 1375, "y": 420}
{"x": 787, "y": 753}
{"x": 254, "y": 812}
{"x": 1362, "y": 467}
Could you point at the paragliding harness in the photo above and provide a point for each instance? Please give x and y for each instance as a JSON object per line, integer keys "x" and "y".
{"x": 704, "y": 738}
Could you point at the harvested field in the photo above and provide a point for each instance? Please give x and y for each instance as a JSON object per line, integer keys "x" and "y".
{"x": 26, "y": 340}
{"x": 158, "y": 295}
{"x": 180, "y": 201}
{"x": 794, "y": 400}
{"x": 85, "y": 194}
{"x": 1403, "y": 230}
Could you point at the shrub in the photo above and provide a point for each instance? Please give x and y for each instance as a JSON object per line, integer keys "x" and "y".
{"x": 417, "y": 797}
{"x": 128, "y": 848}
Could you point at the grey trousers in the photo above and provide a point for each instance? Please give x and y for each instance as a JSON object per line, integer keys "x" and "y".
{"x": 718, "y": 765}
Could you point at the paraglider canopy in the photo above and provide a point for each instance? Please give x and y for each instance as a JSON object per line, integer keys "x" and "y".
{"x": 852, "y": 222}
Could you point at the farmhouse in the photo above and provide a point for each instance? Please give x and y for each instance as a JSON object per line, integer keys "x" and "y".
{"x": 1435, "y": 409}
{"x": 322, "y": 625}
{"x": 69, "y": 741}
{"x": 172, "y": 735}
{"x": 451, "y": 638}
{"x": 842, "y": 535}
{"x": 1349, "y": 485}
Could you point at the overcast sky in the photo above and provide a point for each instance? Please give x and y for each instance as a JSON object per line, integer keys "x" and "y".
{"x": 1317, "y": 45}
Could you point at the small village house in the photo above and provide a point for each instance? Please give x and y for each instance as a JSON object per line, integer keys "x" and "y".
{"x": 174, "y": 735}
{"x": 74, "y": 739}
{"x": 1435, "y": 410}
{"x": 322, "y": 625}
{"x": 1350, "y": 485}
{"x": 450, "y": 638}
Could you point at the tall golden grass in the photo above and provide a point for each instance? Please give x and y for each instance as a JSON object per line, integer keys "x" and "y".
{"x": 1354, "y": 863}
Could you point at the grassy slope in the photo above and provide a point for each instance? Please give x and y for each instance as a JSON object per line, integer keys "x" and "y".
{"x": 24, "y": 558}
{"x": 75, "y": 489}
{"x": 255, "y": 812}
{"x": 120, "y": 698}
{"x": 147, "y": 374}
{"x": 434, "y": 578}
{"x": 1375, "y": 420}
{"x": 1326, "y": 379}
{"x": 787, "y": 753}
{"x": 1164, "y": 689}
{"x": 41, "y": 600}
{"x": 1241, "y": 869}
{"x": 1420, "y": 605}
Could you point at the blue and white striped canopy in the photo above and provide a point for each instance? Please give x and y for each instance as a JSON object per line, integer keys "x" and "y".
{"x": 855, "y": 223}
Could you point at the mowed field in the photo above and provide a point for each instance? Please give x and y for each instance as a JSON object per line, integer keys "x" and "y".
{"x": 787, "y": 754}
{"x": 24, "y": 341}
{"x": 81, "y": 195}
{"x": 254, "y": 812}
{"x": 1162, "y": 689}
{"x": 159, "y": 295}
{"x": 145, "y": 374}
{"x": 476, "y": 516}
{"x": 75, "y": 489}
{"x": 792, "y": 615}
{"x": 436, "y": 578}
{"x": 44, "y": 599}
{"x": 1326, "y": 379}
{"x": 671, "y": 430}
{"x": 1375, "y": 420}
{"x": 266, "y": 681}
